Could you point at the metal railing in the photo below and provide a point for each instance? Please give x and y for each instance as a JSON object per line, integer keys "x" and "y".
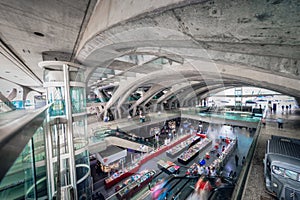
{"x": 240, "y": 184}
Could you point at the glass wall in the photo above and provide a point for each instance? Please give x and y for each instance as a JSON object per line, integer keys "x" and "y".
{"x": 67, "y": 150}
{"x": 26, "y": 179}
{"x": 77, "y": 99}
{"x": 56, "y": 96}
{"x": 84, "y": 180}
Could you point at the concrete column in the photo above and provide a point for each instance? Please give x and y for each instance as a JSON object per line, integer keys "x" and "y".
{"x": 12, "y": 94}
{"x": 7, "y": 103}
{"x": 188, "y": 103}
{"x": 170, "y": 104}
{"x": 155, "y": 107}
{"x": 118, "y": 114}
{"x": 184, "y": 103}
{"x": 134, "y": 111}
{"x": 161, "y": 107}
{"x": 143, "y": 109}
{"x": 26, "y": 90}
{"x": 100, "y": 95}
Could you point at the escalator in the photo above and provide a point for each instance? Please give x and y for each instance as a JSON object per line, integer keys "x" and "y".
{"x": 136, "y": 142}
{"x": 173, "y": 187}
{"x": 182, "y": 187}
{"x": 149, "y": 141}
{"x": 221, "y": 188}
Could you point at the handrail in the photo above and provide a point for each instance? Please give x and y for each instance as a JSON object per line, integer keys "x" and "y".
{"x": 16, "y": 134}
{"x": 13, "y": 126}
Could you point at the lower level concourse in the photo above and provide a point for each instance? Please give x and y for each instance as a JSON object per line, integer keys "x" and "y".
{"x": 228, "y": 150}
{"x": 170, "y": 157}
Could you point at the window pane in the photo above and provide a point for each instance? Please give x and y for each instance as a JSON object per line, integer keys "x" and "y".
{"x": 290, "y": 174}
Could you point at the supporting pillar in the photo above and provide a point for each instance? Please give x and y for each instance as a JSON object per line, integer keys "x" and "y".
{"x": 8, "y": 105}
{"x": 100, "y": 95}
{"x": 26, "y": 90}
{"x": 134, "y": 110}
{"x": 143, "y": 109}
{"x": 175, "y": 104}
{"x": 170, "y": 104}
{"x": 119, "y": 113}
{"x": 155, "y": 107}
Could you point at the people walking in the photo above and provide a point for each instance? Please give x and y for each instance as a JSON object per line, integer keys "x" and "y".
{"x": 280, "y": 123}
{"x": 236, "y": 160}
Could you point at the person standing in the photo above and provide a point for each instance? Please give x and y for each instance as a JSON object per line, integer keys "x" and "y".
{"x": 263, "y": 121}
{"x": 230, "y": 174}
{"x": 236, "y": 160}
{"x": 280, "y": 123}
{"x": 213, "y": 172}
{"x": 243, "y": 160}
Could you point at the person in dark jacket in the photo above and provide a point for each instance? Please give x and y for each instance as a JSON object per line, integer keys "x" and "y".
{"x": 236, "y": 160}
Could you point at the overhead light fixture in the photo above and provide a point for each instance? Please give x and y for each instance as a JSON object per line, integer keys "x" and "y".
{"x": 26, "y": 51}
{"x": 7, "y": 72}
{"x": 39, "y": 34}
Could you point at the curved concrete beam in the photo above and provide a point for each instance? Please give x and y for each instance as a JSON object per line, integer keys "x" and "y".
{"x": 114, "y": 12}
{"x": 149, "y": 94}
{"x": 257, "y": 53}
{"x": 250, "y": 77}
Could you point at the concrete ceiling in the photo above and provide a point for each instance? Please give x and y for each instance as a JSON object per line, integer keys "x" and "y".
{"x": 32, "y": 31}
{"x": 134, "y": 44}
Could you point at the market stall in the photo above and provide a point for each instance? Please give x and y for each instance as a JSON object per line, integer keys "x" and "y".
{"x": 168, "y": 167}
{"x": 120, "y": 175}
{"x": 178, "y": 149}
{"x": 193, "y": 152}
{"x": 224, "y": 155}
{"x": 133, "y": 184}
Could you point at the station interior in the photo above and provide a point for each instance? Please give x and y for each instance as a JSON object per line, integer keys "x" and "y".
{"x": 150, "y": 99}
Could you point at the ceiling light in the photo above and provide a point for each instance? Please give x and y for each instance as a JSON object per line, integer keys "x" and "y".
{"x": 39, "y": 34}
{"x": 7, "y": 72}
{"x": 26, "y": 51}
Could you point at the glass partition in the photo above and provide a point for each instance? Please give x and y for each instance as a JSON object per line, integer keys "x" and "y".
{"x": 26, "y": 179}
